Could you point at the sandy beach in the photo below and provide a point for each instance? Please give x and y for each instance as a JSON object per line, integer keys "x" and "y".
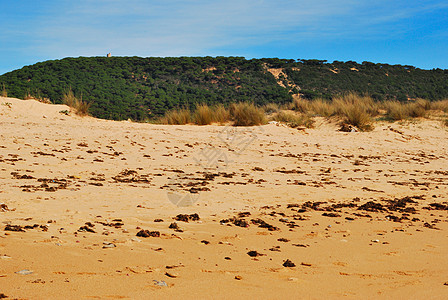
{"x": 98, "y": 209}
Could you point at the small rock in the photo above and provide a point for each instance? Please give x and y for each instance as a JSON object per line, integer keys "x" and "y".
{"x": 238, "y": 277}
{"x": 288, "y": 264}
{"x": 14, "y": 228}
{"x": 160, "y": 283}
{"x": 283, "y": 240}
{"x": 108, "y": 245}
{"x": 147, "y": 233}
{"x": 293, "y": 279}
{"x": 171, "y": 275}
{"x": 175, "y": 227}
{"x": 254, "y": 253}
{"x": 24, "y": 272}
{"x": 86, "y": 229}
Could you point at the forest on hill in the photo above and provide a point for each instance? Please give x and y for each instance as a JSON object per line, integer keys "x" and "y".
{"x": 144, "y": 88}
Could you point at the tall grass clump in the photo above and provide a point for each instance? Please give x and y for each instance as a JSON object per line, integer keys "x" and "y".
{"x": 441, "y": 105}
{"x": 247, "y": 114}
{"x": 221, "y": 114}
{"x": 176, "y": 117}
{"x": 322, "y": 107}
{"x": 395, "y": 111}
{"x": 81, "y": 107}
{"x": 419, "y": 108}
{"x": 3, "y": 92}
{"x": 294, "y": 120}
{"x": 271, "y": 108}
{"x": 203, "y": 115}
{"x": 300, "y": 105}
{"x": 356, "y": 110}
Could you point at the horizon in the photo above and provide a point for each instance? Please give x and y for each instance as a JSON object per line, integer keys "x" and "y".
{"x": 296, "y": 59}
{"x": 398, "y": 33}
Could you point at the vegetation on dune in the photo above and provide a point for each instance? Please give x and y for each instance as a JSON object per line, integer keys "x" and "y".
{"x": 3, "y": 92}
{"x": 177, "y": 117}
{"x": 293, "y": 119}
{"x": 146, "y": 88}
{"x": 247, "y": 114}
{"x": 80, "y": 107}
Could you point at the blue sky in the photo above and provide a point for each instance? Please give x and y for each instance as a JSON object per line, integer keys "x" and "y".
{"x": 397, "y": 32}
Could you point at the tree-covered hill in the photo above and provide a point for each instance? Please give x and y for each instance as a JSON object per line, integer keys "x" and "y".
{"x": 142, "y": 88}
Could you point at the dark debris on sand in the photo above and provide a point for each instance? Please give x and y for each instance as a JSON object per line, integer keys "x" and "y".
{"x": 254, "y": 253}
{"x": 288, "y": 264}
{"x": 263, "y": 224}
{"x": 147, "y": 233}
{"x": 187, "y": 218}
{"x": 14, "y": 228}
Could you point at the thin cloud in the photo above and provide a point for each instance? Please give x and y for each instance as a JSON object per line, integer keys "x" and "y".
{"x": 198, "y": 27}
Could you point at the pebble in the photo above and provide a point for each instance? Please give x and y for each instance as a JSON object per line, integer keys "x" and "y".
{"x": 160, "y": 283}
{"x": 24, "y": 272}
{"x": 108, "y": 245}
{"x": 171, "y": 275}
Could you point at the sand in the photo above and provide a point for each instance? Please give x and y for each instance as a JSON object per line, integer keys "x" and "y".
{"x": 81, "y": 189}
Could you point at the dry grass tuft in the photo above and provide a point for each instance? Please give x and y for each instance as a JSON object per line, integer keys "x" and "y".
{"x": 3, "y": 92}
{"x": 419, "y": 108}
{"x": 176, "y": 117}
{"x": 441, "y": 105}
{"x": 221, "y": 114}
{"x": 203, "y": 115}
{"x": 322, "y": 107}
{"x": 300, "y": 105}
{"x": 271, "y": 108}
{"x": 293, "y": 119}
{"x": 395, "y": 111}
{"x": 247, "y": 114}
{"x": 445, "y": 122}
{"x": 81, "y": 107}
{"x": 356, "y": 110}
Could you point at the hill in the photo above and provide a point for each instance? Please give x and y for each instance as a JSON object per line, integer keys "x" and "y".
{"x": 142, "y": 88}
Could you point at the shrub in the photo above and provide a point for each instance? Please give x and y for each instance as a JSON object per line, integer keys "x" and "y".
{"x": 356, "y": 110}
{"x": 271, "y": 108}
{"x": 294, "y": 120}
{"x": 3, "y": 92}
{"x": 322, "y": 107}
{"x": 441, "y": 105}
{"x": 221, "y": 114}
{"x": 203, "y": 115}
{"x": 81, "y": 107}
{"x": 300, "y": 105}
{"x": 395, "y": 111}
{"x": 176, "y": 117}
{"x": 247, "y": 114}
{"x": 419, "y": 108}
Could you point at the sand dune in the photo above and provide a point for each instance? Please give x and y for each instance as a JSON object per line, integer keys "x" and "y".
{"x": 103, "y": 209}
